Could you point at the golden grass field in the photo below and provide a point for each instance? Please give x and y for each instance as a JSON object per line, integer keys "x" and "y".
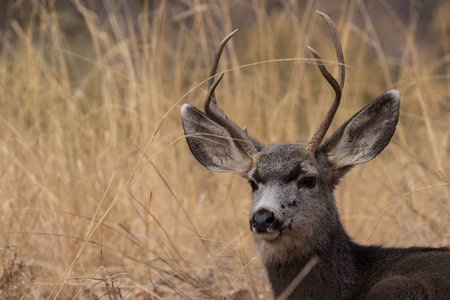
{"x": 100, "y": 195}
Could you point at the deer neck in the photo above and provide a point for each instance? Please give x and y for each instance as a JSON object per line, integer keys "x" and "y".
{"x": 328, "y": 278}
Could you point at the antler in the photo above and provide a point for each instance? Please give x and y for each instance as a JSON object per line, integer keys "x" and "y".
{"x": 213, "y": 110}
{"x": 337, "y": 86}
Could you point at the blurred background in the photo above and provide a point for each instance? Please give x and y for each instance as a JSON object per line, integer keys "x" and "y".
{"x": 99, "y": 194}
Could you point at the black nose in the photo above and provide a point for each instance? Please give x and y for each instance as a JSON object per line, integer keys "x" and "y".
{"x": 262, "y": 220}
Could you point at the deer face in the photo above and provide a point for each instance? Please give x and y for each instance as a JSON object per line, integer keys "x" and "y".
{"x": 282, "y": 182}
{"x": 289, "y": 191}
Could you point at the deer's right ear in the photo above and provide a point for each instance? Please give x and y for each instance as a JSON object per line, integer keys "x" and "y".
{"x": 211, "y": 144}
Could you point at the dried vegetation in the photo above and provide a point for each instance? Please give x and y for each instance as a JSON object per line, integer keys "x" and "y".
{"x": 98, "y": 188}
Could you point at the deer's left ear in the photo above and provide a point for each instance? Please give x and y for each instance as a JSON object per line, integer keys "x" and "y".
{"x": 366, "y": 134}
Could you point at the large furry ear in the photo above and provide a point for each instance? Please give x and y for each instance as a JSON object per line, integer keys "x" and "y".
{"x": 364, "y": 135}
{"x": 211, "y": 144}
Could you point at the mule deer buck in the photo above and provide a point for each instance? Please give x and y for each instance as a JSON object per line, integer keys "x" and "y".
{"x": 293, "y": 217}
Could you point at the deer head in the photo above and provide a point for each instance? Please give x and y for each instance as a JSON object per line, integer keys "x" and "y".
{"x": 293, "y": 209}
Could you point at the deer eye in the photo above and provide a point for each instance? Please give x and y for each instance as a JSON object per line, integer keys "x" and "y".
{"x": 253, "y": 184}
{"x": 307, "y": 182}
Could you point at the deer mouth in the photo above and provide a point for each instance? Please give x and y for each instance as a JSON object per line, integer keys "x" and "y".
{"x": 269, "y": 236}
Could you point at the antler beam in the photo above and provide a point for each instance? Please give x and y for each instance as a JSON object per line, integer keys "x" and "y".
{"x": 337, "y": 86}
{"x": 213, "y": 110}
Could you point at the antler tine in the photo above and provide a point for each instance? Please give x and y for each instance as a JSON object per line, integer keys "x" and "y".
{"x": 337, "y": 86}
{"x": 213, "y": 110}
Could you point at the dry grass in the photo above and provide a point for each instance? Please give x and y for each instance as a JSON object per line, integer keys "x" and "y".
{"x": 17, "y": 276}
{"x": 98, "y": 187}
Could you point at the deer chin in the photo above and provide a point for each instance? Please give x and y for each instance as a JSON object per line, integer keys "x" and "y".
{"x": 279, "y": 246}
{"x": 285, "y": 244}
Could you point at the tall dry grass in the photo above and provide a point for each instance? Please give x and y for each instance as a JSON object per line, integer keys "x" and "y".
{"x": 98, "y": 188}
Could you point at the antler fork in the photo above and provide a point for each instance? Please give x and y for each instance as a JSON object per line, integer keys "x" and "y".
{"x": 213, "y": 110}
{"x": 337, "y": 86}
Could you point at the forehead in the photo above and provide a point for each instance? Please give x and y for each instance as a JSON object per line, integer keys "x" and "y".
{"x": 283, "y": 162}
